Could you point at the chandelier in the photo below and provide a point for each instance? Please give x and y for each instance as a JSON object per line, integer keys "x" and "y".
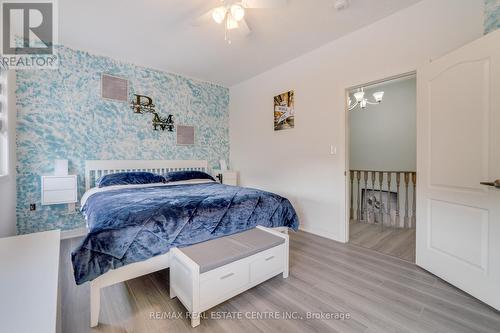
{"x": 363, "y": 102}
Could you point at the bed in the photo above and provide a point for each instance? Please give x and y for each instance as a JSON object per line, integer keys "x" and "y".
{"x": 131, "y": 228}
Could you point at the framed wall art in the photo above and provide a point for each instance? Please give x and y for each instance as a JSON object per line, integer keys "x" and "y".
{"x": 114, "y": 88}
{"x": 284, "y": 111}
{"x": 185, "y": 135}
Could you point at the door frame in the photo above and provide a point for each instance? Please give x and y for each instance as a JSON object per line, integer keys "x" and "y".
{"x": 347, "y": 142}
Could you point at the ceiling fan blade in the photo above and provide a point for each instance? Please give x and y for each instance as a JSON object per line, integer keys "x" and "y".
{"x": 264, "y": 3}
{"x": 202, "y": 19}
{"x": 244, "y": 29}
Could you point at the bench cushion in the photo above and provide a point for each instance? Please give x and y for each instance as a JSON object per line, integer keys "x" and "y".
{"x": 222, "y": 251}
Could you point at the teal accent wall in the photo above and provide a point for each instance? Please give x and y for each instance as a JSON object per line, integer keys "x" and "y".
{"x": 491, "y": 15}
{"x": 61, "y": 115}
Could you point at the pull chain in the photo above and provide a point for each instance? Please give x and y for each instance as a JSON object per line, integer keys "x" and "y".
{"x": 227, "y": 32}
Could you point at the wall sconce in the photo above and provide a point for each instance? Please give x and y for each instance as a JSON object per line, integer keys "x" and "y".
{"x": 144, "y": 104}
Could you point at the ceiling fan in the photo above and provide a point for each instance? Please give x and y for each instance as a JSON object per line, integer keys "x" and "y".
{"x": 231, "y": 13}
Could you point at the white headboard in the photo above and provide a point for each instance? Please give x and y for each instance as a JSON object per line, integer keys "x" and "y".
{"x": 97, "y": 168}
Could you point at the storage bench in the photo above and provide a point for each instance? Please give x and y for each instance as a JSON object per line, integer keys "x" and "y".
{"x": 209, "y": 273}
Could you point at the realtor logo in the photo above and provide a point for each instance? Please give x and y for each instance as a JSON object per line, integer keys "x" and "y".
{"x": 28, "y": 34}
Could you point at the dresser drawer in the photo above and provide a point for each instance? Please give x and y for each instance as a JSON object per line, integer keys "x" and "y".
{"x": 56, "y": 197}
{"x": 59, "y": 183}
{"x": 222, "y": 283}
{"x": 59, "y": 189}
{"x": 267, "y": 264}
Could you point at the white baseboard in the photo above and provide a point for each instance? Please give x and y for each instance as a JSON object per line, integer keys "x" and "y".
{"x": 321, "y": 232}
{"x": 73, "y": 233}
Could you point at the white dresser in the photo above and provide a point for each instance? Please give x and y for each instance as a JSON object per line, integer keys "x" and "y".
{"x": 59, "y": 189}
{"x": 29, "y": 270}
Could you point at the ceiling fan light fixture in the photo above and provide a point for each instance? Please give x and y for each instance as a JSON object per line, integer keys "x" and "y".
{"x": 341, "y": 4}
{"x": 231, "y": 23}
{"x": 237, "y": 12}
{"x": 219, "y": 14}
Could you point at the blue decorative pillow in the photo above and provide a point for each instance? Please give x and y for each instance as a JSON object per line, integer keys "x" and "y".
{"x": 176, "y": 176}
{"x": 129, "y": 178}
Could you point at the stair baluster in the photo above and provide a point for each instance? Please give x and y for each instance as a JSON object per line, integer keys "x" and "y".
{"x": 389, "y": 175}
{"x": 407, "y": 180}
{"x": 364, "y": 209}
{"x": 398, "y": 206}
{"x": 358, "y": 202}
{"x": 381, "y": 209}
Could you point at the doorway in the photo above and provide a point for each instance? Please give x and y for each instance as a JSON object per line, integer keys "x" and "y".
{"x": 382, "y": 177}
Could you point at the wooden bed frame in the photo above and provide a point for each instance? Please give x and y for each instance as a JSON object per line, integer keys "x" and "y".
{"x": 97, "y": 168}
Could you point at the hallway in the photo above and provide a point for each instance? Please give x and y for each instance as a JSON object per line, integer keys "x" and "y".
{"x": 396, "y": 242}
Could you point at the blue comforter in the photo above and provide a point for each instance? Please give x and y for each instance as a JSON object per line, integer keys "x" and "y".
{"x": 134, "y": 224}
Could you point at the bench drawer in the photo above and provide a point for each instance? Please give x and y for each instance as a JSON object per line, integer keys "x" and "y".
{"x": 222, "y": 283}
{"x": 230, "y": 265}
{"x": 267, "y": 264}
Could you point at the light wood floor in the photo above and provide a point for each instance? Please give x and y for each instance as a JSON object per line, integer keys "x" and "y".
{"x": 397, "y": 242}
{"x": 381, "y": 293}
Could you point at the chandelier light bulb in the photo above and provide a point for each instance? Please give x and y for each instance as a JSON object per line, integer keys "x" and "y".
{"x": 379, "y": 96}
{"x": 363, "y": 103}
{"x": 359, "y": 96}
{"x": 237, "y": 12}
{"x": 219, "y": 14}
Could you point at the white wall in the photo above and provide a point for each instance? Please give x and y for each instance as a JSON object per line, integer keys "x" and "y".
{"x": 297, "y": 163}
{"x": 8, "y": 183}
{"x": 383, "y": 137}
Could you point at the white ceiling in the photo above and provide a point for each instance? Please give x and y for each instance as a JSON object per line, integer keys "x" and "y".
{"x": 159, "y": 33}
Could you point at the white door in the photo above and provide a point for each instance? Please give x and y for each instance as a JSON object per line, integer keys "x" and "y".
{"x": 458, "y": 147}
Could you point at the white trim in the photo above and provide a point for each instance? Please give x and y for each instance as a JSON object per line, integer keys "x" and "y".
{"x": 321, "y": 232}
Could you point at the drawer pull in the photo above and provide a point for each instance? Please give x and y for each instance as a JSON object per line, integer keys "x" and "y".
{"x": 226, "y": 276}
{"x": 271, "y": 257}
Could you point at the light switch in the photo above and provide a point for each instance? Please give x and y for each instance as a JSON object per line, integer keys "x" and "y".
{"x": 333, "y": 150}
